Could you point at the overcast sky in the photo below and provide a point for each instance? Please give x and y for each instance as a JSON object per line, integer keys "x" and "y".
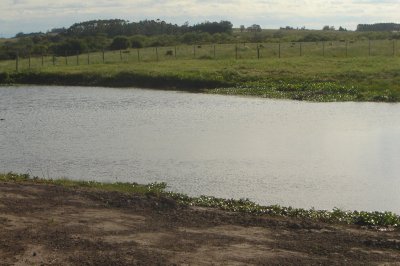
{"x": 42, "y": 15}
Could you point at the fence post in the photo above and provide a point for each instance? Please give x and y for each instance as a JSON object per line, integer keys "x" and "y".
{"x": 17, "y": 62}
{"x": 236, "y": 52}
{"x": 104, "y": 58}
{"x": 175, "y": 52}
{"x": 157, "y": 53}
{"x": 369, "y": 47}
{"x": 279, "y": 50}
{"x": 138, "y": 54}
{"x": 77, "y": 58}
{"x": 29, "y": 61}
{"x": 258, "y": 52}
{"x": 42, "y": 60}
{"x": 194, "y": 51}
{"x": 66, "y": 58}
{"x": 301, "y": 49}
{"x": 120, "y": 55}
{"x": 214, "y": 52}
{"x": 394, "y": 47}
{"x": 88, "y": 58}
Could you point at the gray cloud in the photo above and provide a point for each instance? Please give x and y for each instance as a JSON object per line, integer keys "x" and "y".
{"x": 41, "y": 15}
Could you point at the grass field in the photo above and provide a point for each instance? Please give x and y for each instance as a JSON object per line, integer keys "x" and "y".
{"x": 330, "y": 71}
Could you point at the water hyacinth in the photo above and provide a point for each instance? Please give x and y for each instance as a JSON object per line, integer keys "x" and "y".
{"x": 318, "y": 91}
{"x": 380, "y": 219}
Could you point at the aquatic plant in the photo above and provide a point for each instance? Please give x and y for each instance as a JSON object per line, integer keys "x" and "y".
{"x": 363, "y": 218}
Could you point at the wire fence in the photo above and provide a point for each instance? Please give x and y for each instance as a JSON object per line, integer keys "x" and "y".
{"x": 239, "y": 51}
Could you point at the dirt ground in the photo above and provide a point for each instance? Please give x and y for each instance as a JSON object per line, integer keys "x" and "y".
{"x": 53, "y": 225}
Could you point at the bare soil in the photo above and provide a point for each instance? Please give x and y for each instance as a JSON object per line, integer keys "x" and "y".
{"x": 55, "y": 225}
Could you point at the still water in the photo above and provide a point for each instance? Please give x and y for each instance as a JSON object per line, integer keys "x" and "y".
{"x": 291, "y": 153}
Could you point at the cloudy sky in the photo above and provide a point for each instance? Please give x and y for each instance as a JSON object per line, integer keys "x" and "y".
{"x": 42, "y": 15}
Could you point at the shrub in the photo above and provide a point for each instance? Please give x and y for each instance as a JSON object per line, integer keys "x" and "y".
{"x": 120, "y": 42}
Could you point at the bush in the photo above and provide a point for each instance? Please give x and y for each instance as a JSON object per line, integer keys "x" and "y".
{"x": 4, "y": 77}
{"x": 136, "y": 44}
{"x": 120, "y": 43}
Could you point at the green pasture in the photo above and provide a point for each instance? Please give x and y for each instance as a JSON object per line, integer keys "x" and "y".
{"x": 318, "y": 71}
{"x": 239, "y": 51}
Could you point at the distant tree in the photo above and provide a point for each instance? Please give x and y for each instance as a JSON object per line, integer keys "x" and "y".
{"x": 342, "y": 29}
{"x": 254, "y": 28}
{"x": 120, "y": 42}
{"x": 379, "y": 27}
{"x": 327, "y": 27}
{"x": 287, "y": 28}
{"x": 242, "y": 28}
{"x": 70, "y": 46}
{"x": 58, "y": 30}
{"x": 137, "y": 41}
{"x": 19, "y": 35}
{"x": 213, "y": 27}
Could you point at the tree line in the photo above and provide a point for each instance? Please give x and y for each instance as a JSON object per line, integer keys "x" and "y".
{"x": 117, "y": 34}
{"x": 379, "y": 27}
{"x": 97, "y": 35}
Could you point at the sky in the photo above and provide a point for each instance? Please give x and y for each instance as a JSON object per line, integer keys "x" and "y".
{"x": 42, "y": 15}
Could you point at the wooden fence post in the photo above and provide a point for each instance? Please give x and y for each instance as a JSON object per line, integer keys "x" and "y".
{"x": 279, "y": 50}
{"x": 104, "y": 58}
{"x": 214, "y": 52}
{"x": 258, "y": 52}
{"x": 66, "y": 58}
{"x": 369, "y": 47}
{"x": 138, "y": 54}
{"x": 236, "y": 52}
{"x": 301, "y": 52}
{"x": 120, "y": 55}
{"x": 157, "y": 53}
{"x": 17, "y": 62}
{"x": 175, "y": 53}
{"x": 88, "y": 58}
{"x": 394, "y": 47}
{"x": 194, "y": 51}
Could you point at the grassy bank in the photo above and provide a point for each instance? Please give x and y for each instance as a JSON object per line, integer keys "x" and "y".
{"x": 385, "y": 219}
{"x": 300, "y": 78}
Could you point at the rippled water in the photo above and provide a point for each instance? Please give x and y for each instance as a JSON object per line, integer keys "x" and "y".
{"x": 301, "y": 154}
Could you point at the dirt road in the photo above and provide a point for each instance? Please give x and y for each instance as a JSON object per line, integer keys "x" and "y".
{"x": 54, "y": 225}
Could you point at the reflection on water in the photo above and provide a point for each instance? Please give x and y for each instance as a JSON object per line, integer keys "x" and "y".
{"x": 301, "y": 154}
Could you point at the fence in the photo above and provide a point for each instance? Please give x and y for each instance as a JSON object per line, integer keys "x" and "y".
{"x": 238, "y": 51}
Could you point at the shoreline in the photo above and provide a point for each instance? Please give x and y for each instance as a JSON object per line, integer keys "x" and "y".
{"x": 335, "y": 216}
{"x": 78, "y": 223}
{"x": 327, "y": 80}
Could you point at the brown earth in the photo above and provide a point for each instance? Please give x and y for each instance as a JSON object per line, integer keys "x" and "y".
{"x": 54, "y": 225}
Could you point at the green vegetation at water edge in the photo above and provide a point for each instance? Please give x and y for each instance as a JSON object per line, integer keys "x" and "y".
{"x": 384, "y": 219}
{"x": 301, "y": 78}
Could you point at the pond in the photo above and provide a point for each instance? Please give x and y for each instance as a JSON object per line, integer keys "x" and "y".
{"x": 299, "y": 154}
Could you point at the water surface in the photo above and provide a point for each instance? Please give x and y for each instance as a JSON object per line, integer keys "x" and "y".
{"x": 301, "y": 154}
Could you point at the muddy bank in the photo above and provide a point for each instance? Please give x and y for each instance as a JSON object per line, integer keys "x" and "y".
{"x": 48, "y": 224}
